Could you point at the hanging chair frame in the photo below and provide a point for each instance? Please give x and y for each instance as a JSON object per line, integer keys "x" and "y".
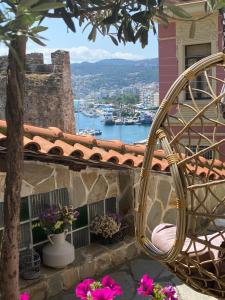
{"x": 156, "y": 133}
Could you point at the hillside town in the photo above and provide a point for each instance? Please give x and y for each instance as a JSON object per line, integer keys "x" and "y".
{"x": 112, "y": 170}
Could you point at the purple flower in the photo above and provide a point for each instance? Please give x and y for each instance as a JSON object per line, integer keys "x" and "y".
{"x": 83, "y": 288}
{"x": 24, "y": 296}
{"x": 102, "y": 294}
{"x": 170, "y": 292}
{"x": 107, "y": 281}
{"x": 146, "y": 286}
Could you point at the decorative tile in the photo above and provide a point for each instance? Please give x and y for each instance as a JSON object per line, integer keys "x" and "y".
{"x": 81, "y": 238}
{"x": 24, "y": 235}
{"x": 82, "y": 219}
{"x": 39, "y": 203}
{"x": 24, "y": 209}
{"x": 60, "y": 196}
{"x": 110, "y": 206}
{"x": 96, "y": 209}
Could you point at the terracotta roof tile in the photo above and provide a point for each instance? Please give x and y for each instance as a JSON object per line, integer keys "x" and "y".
{"x": 53, "y": 141}
{"x": 107, "y": 155}
{"x": 48, "y": 147}
{"x": 115, "y": 145}
{"x": 68, "y": 150}
{"x": 74, "y": 138}
{"x": 138, "y": 149}
{"x": 31, "y": 145}
{"x": 88, "y": 153}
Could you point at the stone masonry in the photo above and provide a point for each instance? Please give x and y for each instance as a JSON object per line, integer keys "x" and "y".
{"x": 48, "y": 92}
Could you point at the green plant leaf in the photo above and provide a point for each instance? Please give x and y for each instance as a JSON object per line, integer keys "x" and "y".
{"x": 47, "y": 6}
{"x": 220, "y": 4}
{"x": 37, "y": 41}
{"x": 93, "y": 33}
{"x": 28, "y": 3}
{"x": 179, "y": 12}
{"x": 38, "y": 29}
{"x": 114, "y": 40}
{"x": 68, "y": 20}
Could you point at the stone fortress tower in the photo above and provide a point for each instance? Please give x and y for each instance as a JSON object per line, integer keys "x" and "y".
{"x": 48, "y": 92}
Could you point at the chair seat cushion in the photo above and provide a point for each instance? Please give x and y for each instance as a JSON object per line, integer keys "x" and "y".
{"x": 205, "y": 247}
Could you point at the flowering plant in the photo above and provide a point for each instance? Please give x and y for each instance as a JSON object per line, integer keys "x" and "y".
{"x": 106, "y": 226}
{"x": 24, "y": 296}
{"x": 106, "y": 289}
{"x": 147, "y": 288}
{"x": 56, "y": 219}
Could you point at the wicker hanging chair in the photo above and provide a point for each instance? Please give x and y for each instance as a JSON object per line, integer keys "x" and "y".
{"x": 193, "y": 247}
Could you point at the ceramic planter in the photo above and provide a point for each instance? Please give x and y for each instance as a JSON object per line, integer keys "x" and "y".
{"x": 58, "y": 253}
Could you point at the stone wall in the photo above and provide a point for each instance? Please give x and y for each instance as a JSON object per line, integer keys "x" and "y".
{"x": 48, "y": 93}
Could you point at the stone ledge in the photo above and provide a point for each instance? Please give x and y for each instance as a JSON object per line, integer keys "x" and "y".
{"x": 90, "y": 261}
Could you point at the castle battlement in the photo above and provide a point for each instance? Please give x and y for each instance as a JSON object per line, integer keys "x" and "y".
{"x": 48, "y": 100}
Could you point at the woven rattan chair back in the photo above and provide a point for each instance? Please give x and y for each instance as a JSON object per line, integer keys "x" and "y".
{"x": 190, "y": 127}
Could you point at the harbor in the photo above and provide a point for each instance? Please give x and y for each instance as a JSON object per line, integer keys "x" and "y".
{"x": 110, "y": 124}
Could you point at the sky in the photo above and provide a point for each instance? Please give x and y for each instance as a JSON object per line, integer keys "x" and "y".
{"x": 81, "y": 49}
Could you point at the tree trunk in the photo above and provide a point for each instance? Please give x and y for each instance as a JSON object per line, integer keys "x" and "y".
{"x": 14, "y": 169}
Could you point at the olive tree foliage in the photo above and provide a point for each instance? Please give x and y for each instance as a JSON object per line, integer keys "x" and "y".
{"x": 121, "y": 20}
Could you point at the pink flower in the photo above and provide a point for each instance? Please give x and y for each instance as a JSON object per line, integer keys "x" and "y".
{"x": 102, "y": 294}
{"x": 170, "y": 292}
{"x": 107, "y": 281}
{"x": 83, "y": 288}
{"x": 24, "y": 296}
{"x": 146, "y": 286}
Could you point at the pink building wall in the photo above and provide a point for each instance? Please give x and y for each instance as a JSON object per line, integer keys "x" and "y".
{"x": 168, "y": 66}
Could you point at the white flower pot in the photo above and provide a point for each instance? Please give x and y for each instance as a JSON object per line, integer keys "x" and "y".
{"x": 58, "y": 253}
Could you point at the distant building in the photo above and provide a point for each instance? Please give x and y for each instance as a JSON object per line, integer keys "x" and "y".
{"x": 48, "y": 93}
{"x": 178, "y": 51}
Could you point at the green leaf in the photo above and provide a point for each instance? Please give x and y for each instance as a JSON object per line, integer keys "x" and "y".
{"x": 37, "y": 41}
{"x": 179, "y": 12}
{"x": 192, "y": 30}
{"x": 93, "y": 33}
{"x": 38, "y": 29}
{"x": 220, "y": 4}
{"x": 144, "y": 37}
{"x": 141, "y": 17}
{"x": 114, "y": 40}
{"x": 28, "y": 3}
{"x": 47, "y": 6}
{"x": 68, "y": 20}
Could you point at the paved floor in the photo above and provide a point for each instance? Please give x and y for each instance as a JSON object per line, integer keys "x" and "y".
{"x": 129, "y": 274}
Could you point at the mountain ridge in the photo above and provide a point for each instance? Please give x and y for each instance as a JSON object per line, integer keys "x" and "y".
{"x": 112, "y": 74}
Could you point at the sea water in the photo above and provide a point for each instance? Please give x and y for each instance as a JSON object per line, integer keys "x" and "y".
{"x": 126, "y": 133}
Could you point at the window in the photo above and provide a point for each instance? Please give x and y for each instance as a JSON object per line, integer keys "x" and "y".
{"x": 194, "y": 53}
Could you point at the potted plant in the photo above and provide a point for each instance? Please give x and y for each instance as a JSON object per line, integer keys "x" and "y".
{"x": 56, "y": 220}
{"x": 108, "y": 229}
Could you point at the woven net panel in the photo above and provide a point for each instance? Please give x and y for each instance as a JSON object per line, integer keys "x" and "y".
{"x": 190, "y": 128}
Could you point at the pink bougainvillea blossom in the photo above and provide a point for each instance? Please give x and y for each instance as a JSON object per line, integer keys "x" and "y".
{"x": 83, "y": 289}
{"x": 170, "y": 292}
{"x": 146, "y": 286}
{"x": 24, "y": 296}
{"x": 102, "y": 294}
{"x": 107, "y": 281}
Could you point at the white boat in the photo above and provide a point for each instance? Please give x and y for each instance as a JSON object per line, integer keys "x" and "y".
{"x": 119, "y": 122}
